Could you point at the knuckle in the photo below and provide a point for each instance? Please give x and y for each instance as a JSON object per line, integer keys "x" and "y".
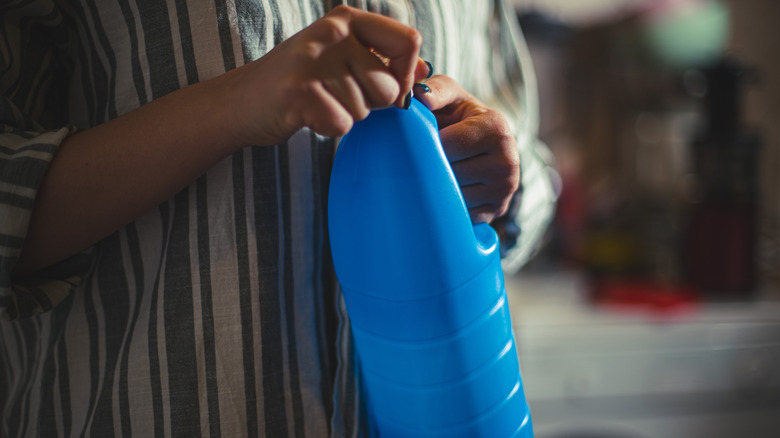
{"x": 341, "y": 11}
{"x": 508, "y": 167}
{"x": 334, "y": 127}
{"x": 385, "y": 96}
{"x": 301, "y": 91}
{"x": 338, "y": 123}
{"x": 499, "y": 125}
{"x": 361, "y": 113}
{"x": 341, "y": 127}
{"x": 502, "y": 209}
{"x": 503, "y": 191}
{"x": 415, "y": 38}
{"x": 481, "y": 215}
{"x": 333, "y": 29}
{"x": 506, "y": 182}
{"x": 506, "y": 171}
{"x": 442, "y": 81}
{"x": 306, "y": 52}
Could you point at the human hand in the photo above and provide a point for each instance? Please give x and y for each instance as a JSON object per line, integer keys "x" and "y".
{"x": 326, "y": 77}
{"x": 479, "y": 145}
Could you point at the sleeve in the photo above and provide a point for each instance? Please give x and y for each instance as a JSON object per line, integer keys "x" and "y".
{"x": 28, "y": 67}
{"x": 512, "y": 90}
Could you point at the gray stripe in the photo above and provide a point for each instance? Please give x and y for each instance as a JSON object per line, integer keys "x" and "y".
{"x": 159, "y": 49}
{"x": 207, "y": 314}
{"x": 135, "y": 282}
{"x": 86, "y": 94}
{"x": 129, "y": 14}
{"x": 103, "y": 64}
{"x": 10, "y": 241}
{"x": 155, "y": 366}
{"x": 32, "y": 327}
{"x": 247, "y": 336}
{"x": 288, "y": 290}
{"x": 178, "y": 321}
{"x": 95, "y": 325}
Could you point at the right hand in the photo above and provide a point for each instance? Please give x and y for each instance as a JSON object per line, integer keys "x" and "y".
{"x": 325, "y": 77}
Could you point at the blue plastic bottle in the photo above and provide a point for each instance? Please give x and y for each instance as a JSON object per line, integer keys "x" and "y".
{"x": 423, "y": 287}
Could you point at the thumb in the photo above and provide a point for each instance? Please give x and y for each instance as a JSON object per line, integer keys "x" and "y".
{"x": 446, "y": 99}
{"x": 440, "y": 91}
{"x": 423, "y": 70}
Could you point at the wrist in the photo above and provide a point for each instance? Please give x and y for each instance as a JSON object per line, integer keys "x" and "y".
{"x": 215, "y": 113}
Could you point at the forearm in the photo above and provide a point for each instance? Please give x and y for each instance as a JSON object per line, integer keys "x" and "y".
{"x": 104, "y": 177}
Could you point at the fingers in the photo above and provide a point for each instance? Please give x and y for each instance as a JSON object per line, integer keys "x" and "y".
{"x": 487, "y": 183}
{"x": 485, "y": 213}
{"x": 423, "y": 70}
{"x": 484, "y": 169}
{"x": 485, "y": 161}
{"x": 377, "y": 84}
{"x": 465, "y": 139}
{"x": 443, "y": 91}
{"x": 347, "y": 91}
{"x": 357, "y": 79}
{"x": 484, "y": 202}
{"x": 399, "y": 43}
{"x": 360, "y": 80}
{"x": 326, "y": 116}
{"x": 484, "y": 131}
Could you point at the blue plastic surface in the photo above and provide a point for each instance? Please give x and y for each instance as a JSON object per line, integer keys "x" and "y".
{"x": 423, "y": 286}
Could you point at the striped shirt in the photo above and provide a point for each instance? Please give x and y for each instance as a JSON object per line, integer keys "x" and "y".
{"x": 218, "y": 312}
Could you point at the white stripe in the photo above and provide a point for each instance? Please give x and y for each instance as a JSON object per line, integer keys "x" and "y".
{"x": 205, "y": 39}
{"x": 235, "y": 35}
{"x": 15, "y": 221}
{"x": 178, "y": 51}
{"x": 17, "y": 190}
{"x": 37, "y": 155}
{"x": 14, "y": 141}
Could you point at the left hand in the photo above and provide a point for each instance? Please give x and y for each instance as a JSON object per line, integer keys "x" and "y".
{"x": 479, "y": 146}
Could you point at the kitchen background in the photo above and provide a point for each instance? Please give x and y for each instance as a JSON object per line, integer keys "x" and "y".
{"x": 653, "y": 307}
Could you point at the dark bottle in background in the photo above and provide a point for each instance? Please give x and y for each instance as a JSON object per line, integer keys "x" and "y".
{"x": 721, "y": 246}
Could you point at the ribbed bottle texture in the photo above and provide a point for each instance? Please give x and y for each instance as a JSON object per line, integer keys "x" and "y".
{"x": 423, "y": 286}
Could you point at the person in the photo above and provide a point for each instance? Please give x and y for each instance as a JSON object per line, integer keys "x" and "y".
{"x": 164, "y": 258}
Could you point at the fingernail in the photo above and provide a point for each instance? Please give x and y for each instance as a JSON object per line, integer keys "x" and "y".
{"x": 426, "y": 89}
{"x": 408, "y": 100}
{"x": 430, "y": 69}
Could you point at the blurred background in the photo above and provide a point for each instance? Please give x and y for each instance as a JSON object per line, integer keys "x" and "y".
{"x": 653, "y": 307}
